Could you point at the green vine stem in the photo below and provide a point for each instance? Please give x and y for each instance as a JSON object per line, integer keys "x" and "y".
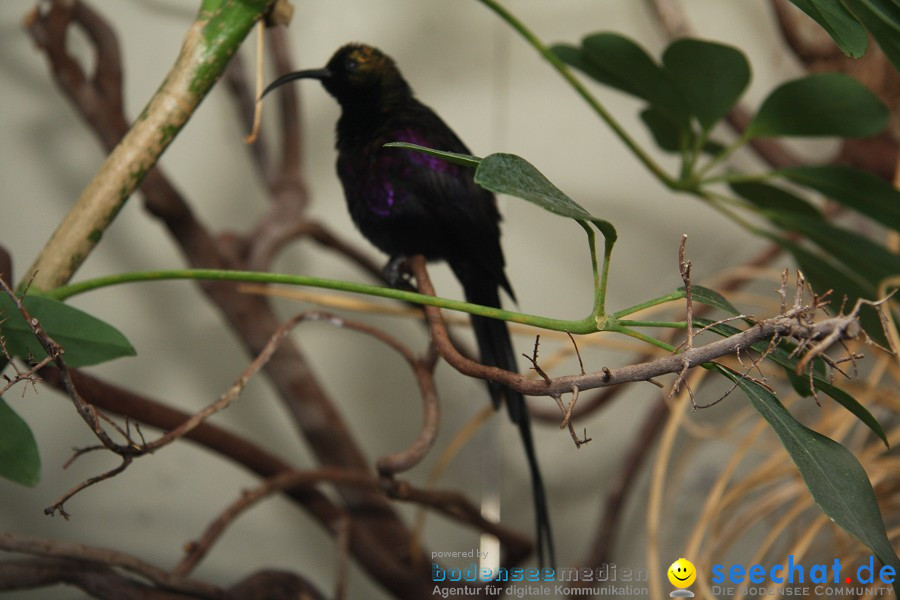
{"x": 581, "y": 326}
{"x": 209, "y": 44}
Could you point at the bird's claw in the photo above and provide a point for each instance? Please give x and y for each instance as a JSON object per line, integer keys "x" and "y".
{"x": 397, "y": 273}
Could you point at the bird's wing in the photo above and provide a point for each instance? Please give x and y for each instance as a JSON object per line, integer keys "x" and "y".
{"x": 444, "y": 195}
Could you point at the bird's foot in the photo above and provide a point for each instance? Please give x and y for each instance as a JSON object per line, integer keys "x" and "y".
{"x": 397, "y": 274}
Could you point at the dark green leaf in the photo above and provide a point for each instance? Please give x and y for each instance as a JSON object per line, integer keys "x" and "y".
{"x": 19, "y": 457}
{"x": 574, "y": 57}
{"x": 851, "y": 404}
{"x": 783, "y": 356}
{"x": 855, "y": 188}
{"x": 840, "y": 24}
{"x": 619, "y": 62}
{"x": 711, "y": 77}
{"x": 86, "y": 340}
{"x": 836, "y": 480}
{"x": 861, "y": 255}
{"x": 465, "y": 160}
{"x": 513, "y": 175}
{"x": 711, "y": 298}
{"x": 825, "y": 104}
{"x": 882, "y": 17}
{"x": 667, "y": 133}
{"x": 774, "y": 199}
{"x": 664, "y": 129}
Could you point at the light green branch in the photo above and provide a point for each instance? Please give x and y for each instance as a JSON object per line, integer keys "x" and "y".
{"x": 210, "y": 42}
{"x": 581, "y": 326}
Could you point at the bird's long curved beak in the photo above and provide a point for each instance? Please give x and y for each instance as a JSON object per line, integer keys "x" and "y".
{"x": 307, "y": 74}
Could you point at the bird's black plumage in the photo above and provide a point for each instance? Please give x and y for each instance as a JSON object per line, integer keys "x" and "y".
{"x": 409, "y": 203}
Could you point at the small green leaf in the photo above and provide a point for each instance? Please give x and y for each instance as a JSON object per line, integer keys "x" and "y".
{"x": 619, "y": 62}
{"x": 512, "y": 175}
{"x": 855, "y": 188}
{"x": 711, "y": 298}
{"x": 465, "y": 160}
{"x": 711, "y": 77}
{"x": 882, "y": 17}
{"x": 841, "y": 25}
{"x": 20, "y": 460}
{"x": 835, "y": 479}
{"x": 85, "y": 340}
{"x": 825, "y": 104}
{"x": 774, "y": 199}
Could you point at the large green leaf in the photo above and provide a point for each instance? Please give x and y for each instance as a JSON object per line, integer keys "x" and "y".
{"x": 825, "y": 104}
{"x": 19, "y": 457}
{"x": 841, "y": 25}
{"x": 512, "y": 175}
{"x": 619, "y": 62}
{"x": 711, "y": 77}
{"x": 861, "y": 255}
{"x": 882, "y": 17}
{"x": 855, "y": 188}
{"x": 85, "y": 340}
{"x": 773, "y": 199}
{"x": 837, "y": 482}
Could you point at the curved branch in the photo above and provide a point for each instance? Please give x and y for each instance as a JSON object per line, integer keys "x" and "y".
{"x": 106, "y": 557}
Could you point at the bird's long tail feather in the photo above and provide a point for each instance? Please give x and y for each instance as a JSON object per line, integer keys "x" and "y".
{"x": 496, "y": 350}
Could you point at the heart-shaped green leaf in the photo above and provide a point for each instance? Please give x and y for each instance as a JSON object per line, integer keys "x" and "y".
{"x": 711, "y": 77}
{"x": 619, "y": 62}
{"x": 825, "y": 104}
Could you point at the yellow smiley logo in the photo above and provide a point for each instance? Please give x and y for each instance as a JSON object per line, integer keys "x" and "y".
{"x": 682, "y": 573}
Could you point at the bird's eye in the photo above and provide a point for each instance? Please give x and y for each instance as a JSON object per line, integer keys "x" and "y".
{"x": 351, "y": 64}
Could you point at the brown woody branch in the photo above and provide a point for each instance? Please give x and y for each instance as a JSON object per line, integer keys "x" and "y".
{"x": 788, "y": 325}
{"x": 105, "y": 557}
